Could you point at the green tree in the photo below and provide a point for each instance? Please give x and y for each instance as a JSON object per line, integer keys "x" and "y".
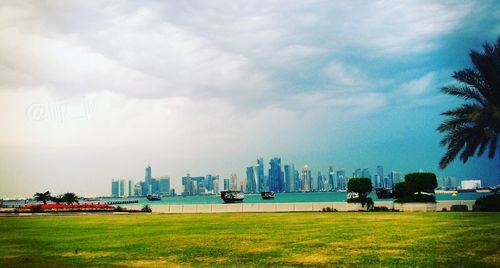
{"x": 361, "y": 186}
{"x": 70, "y": 198}
{"x": 420, "y": 182}
{"x": 57, "y": 199}
{"x": 42, "y": 197}
{"x": 474, "y": 127}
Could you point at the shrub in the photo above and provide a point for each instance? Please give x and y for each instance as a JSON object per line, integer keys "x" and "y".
{"x": 146, "y": 208}
{"x": 400, "y": 190}
{"x": 362, "y": 186}
{"x": 329, "y": 209}
{"x": 119, "y": 208}
{"x": 421, "y": 182}
{"x": 36, "y": 209}
{"x": 459, "y": 208}
{"x": 365, "y": 201}
{"x": 380, "y": 209}
{"x": 488, "y": 203}
{"x": 416, "y": 198}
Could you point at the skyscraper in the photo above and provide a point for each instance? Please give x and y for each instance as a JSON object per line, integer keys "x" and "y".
{"x": 305, "y": 179}
{"x": 366, "y": 173}
{"x": 164, "y": 185}
{"x": 276, "y": 182}
{"x": 233, "y": 182}
{"x": 260, "y": 175}
{"x": 226, "y": 184}
{"x": 341, "y": 180}
{"x": 188, "y": 185}
{"x": 289, "y": 178}
{"x": 393, "y": 178}
{"x": 331, "y": 179}
{"x": 251, "y": 186}
{"x": 130, "y": 188}
{"x": 115, "y": 188}
{"x": 122, "y": 188}
{"x": 357, "y": 173}
{"x": 379, "y": 178}
{"x": 147, "y": 177}
{"x": 321, "y": 182}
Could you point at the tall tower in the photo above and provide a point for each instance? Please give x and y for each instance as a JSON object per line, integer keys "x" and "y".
{"x": 289, "y": 178}
{"x": 306, "y": 179}
{"x": 251, "y": 175}
{"x": 147, "y": 178}
{"x": 260, "y": 175}
{"x": 379, "y": 178}
{"x": 331, "y": 179}
{"x": 276, "y": 182}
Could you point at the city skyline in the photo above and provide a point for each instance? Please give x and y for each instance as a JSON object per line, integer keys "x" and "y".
{"x": 91, "y": 91}
{"x": 294, "y": 180}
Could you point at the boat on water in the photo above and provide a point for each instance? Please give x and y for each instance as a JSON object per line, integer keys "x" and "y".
{"x": 384, "y": 193}
{"x": 268, "y": 195}
{"x": 484, "y": 190}
{"x": 153, "y": 197}
{"x": 232, "y": 196}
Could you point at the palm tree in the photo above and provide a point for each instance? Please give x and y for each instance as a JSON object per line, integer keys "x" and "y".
{"x": 42, "y": 197}
{"x": 474, "y": 126}
{"x": 70, "y": 198}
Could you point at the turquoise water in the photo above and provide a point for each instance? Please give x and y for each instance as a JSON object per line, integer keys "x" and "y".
{"x": 284, "y": 198}
{"x": 256, "y": 198}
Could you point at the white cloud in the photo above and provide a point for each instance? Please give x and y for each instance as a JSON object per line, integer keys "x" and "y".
{"x": 417, "y": 86}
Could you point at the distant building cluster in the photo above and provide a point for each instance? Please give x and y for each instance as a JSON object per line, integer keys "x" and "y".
{"x": 199, "y": 185}
{"x": 150, "y": 185}
{"x": 278, "y": 178}
{"x": 289, "y": 179}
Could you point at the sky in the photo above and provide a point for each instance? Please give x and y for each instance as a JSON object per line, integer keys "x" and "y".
{"x": 97, "y": 90}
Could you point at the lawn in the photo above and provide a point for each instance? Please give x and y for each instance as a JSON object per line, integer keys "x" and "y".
{"x": 450, "y": 239}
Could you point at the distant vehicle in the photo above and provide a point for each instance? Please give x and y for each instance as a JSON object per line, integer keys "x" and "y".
{"x": 153, "y": 197}
{"x": 232, "y": 196}
{"x": 384, "y": 193}
{"x": 268, "y": 195}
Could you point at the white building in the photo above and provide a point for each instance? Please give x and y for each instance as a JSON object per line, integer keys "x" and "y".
{"x": 470, "y": 184}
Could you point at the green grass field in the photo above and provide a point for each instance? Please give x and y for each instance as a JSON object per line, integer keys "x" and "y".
{"x": 266, "y": 239}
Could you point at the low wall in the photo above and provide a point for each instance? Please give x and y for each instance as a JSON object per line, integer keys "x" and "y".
{"x": 299, "y": 207}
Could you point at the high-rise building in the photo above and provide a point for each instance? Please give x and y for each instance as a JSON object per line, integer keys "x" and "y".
{"x": 276, "y": 181}
{"x": 366, "y": 173}
{"x": 130, "y": 188}
{"x": 289, "y": 178}
{"x": 331, "y": 179}
{"x": 379, "y": 177}
{"x": 115, "y": 188}
{"x": 122, "y": 188}
{"x": 305, "y": 179}
{"x": 341, "y": 180}
{"x": 357, "y": 173}
{"x": 147, "y": 177}
{"x": 393, "y": 178}
{"x": 260, "y": 175}
{"x": 447, "y": 182}
{"x": 118, "y": 188}
{"x": 188, "y": 184}
{"x": 164, "y": 185}
{"x": 233, "y": 182}
{"x": 251, "y": 186}
{"x": 216, "y": 184}
{"x": 321, "y": 182}
{"x": 226, "y": 184}
{"x": 298, "y": 181}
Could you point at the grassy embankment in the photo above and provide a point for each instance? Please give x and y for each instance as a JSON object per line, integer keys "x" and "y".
{"x": 265, "y": 239}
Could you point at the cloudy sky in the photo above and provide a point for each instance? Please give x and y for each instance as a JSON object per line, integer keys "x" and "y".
{"x": 95, "y": 90}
